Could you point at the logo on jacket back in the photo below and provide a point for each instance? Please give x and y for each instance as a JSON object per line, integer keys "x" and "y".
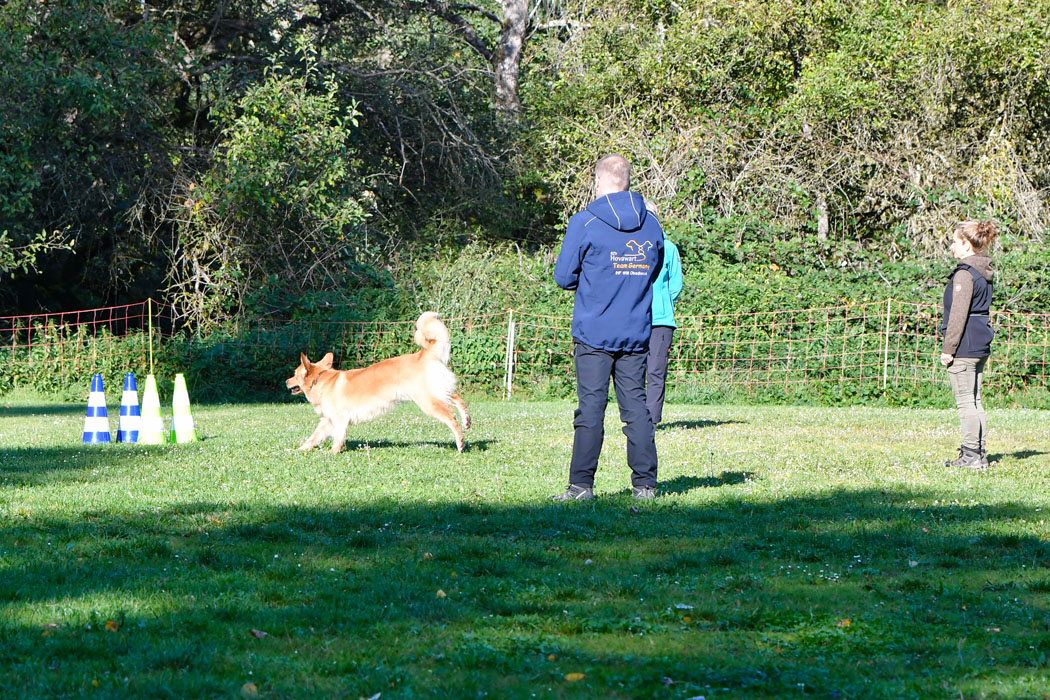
{"x": 634, "y": 262}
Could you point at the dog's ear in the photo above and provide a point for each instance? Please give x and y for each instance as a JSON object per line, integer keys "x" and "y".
{"x": 304, "y": 360}
{"x": 326, "y": 361}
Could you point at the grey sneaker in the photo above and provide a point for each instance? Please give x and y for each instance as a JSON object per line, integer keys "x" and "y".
{"x": 968, "y": 459}
{"x": 643, "y": 492}
{"x": 984, "y": 458}
{"x": 575, "y": 492}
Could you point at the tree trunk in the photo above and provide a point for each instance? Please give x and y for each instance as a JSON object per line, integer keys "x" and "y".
{"x": 822, "y": 217}
{"x": 507, "y": 61}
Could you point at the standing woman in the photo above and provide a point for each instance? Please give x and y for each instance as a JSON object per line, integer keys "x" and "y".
{"x": 967, "y": 335}
{"x": 666, "y": 288}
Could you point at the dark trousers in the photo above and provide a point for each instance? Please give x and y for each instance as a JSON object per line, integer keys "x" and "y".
{"x": 656, "y": 376}
{"x": 594, "y": 367}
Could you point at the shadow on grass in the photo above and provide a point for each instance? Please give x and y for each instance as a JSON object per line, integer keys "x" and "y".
{"x": 449, "y": 599}
{"x": 470, "y": 446}
{"x": 694, "y": 424}
{"x": 684, "y": 484}
{"x": 49, "y": 409}
{"x": 22, "y": 466}
{"x": 1021, "y": 454}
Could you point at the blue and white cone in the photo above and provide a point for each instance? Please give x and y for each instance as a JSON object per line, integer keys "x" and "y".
{"x": 128, "y": 429}
{"x": 96, "y": 422}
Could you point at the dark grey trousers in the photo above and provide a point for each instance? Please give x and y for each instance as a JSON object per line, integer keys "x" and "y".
{"x": 594, "y": 368}
{"x": 656, "y": 375}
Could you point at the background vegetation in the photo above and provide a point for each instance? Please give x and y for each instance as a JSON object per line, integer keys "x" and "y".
{"x": 364, "y": 160}
{"x": 256, "y": 160}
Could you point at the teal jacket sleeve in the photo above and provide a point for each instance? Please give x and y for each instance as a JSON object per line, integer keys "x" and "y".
{"x": 674, "y": 264}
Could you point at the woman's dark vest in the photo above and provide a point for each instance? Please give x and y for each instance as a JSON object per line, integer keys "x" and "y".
{"x": 977, "y": 337}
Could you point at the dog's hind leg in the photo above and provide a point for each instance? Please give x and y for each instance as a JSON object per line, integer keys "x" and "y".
{"x": 462, "y": 408}
{"x": 440, "y": 410}
{"x": 323, "y": 430}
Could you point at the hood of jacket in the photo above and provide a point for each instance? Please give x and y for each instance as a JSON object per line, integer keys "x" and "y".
{"x": 623, "y": 211}
{"x": 981, "y": 263}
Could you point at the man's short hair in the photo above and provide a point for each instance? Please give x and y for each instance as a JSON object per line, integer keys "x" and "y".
{"x": 615, "y": 169}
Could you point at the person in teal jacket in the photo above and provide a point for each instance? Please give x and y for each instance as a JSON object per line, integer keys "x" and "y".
{"x": 666, "y": 288}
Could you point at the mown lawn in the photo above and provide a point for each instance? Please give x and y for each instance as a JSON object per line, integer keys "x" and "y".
{"x": 797, "y": 552}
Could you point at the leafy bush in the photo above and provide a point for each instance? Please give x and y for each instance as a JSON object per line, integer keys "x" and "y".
{"x": 857, "y": 121}
{"x": 280, "y": 212}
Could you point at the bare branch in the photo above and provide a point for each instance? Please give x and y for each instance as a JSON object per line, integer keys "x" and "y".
{"x": 464, "y": 28}
{"x": 255, "y": 60}
{"x": 562, "y": 24}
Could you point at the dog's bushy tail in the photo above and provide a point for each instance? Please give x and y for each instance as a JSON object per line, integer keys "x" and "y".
{"x": 432, "y": 335}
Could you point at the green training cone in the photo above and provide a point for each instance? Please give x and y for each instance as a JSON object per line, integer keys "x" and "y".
{"x": 151, "y": 425}
{"x": 182, "y": 429}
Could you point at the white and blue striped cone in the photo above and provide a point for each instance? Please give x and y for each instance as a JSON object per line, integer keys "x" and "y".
{"x": 96, "y": 422}
{"x": 128, "y": 428}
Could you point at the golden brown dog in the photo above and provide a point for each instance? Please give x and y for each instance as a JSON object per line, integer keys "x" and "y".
{"x": 342, "y": 397}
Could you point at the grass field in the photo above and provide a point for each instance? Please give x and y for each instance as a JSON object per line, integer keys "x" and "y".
{"x": 796, "y": 552}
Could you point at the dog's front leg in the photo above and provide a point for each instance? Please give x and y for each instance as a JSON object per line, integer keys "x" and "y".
{"x": 323, "y": 430}
{"x": 339, "y": 426}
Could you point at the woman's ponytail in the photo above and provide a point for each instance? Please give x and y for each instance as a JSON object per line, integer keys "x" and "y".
{"x": 980, "y": 234}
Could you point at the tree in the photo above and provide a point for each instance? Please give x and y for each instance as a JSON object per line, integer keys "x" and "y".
{"x": 866, "y": 121}
{"x": 23, "y": 257}
{"x": 85, "y": 93}
{"x": 279, "y": 214}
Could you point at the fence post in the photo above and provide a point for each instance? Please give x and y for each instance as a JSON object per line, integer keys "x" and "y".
{"x": 509, "y": 365}
{"x": 14, "y": 349}
{"x": 94, "y": 340}
{"x": 886, "y": 348}
{"x": 149, "y": 316}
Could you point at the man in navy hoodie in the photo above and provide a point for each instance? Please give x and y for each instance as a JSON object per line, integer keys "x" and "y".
{"x": 612, "y": 252}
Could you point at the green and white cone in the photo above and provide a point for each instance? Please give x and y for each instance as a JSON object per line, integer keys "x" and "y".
{"x": 151, "y": 425}
{"x": 181, "y": 417}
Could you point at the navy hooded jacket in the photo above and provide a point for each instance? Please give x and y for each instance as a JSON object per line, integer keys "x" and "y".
{"x": 611, "y": 254}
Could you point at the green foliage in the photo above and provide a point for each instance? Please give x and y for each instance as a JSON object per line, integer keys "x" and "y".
{"x": 727, "y": 272}
{"x": 59, "y": 360}
{"x": 482, "y": 279}
{"x": 349, "y": 165}
{"x": 743, "y": 264}
{"x": 281, "y": 211}
{"x": 864, "y": 115}
{"x": 15, "y": 258}
{"x": 86, "y": 98}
